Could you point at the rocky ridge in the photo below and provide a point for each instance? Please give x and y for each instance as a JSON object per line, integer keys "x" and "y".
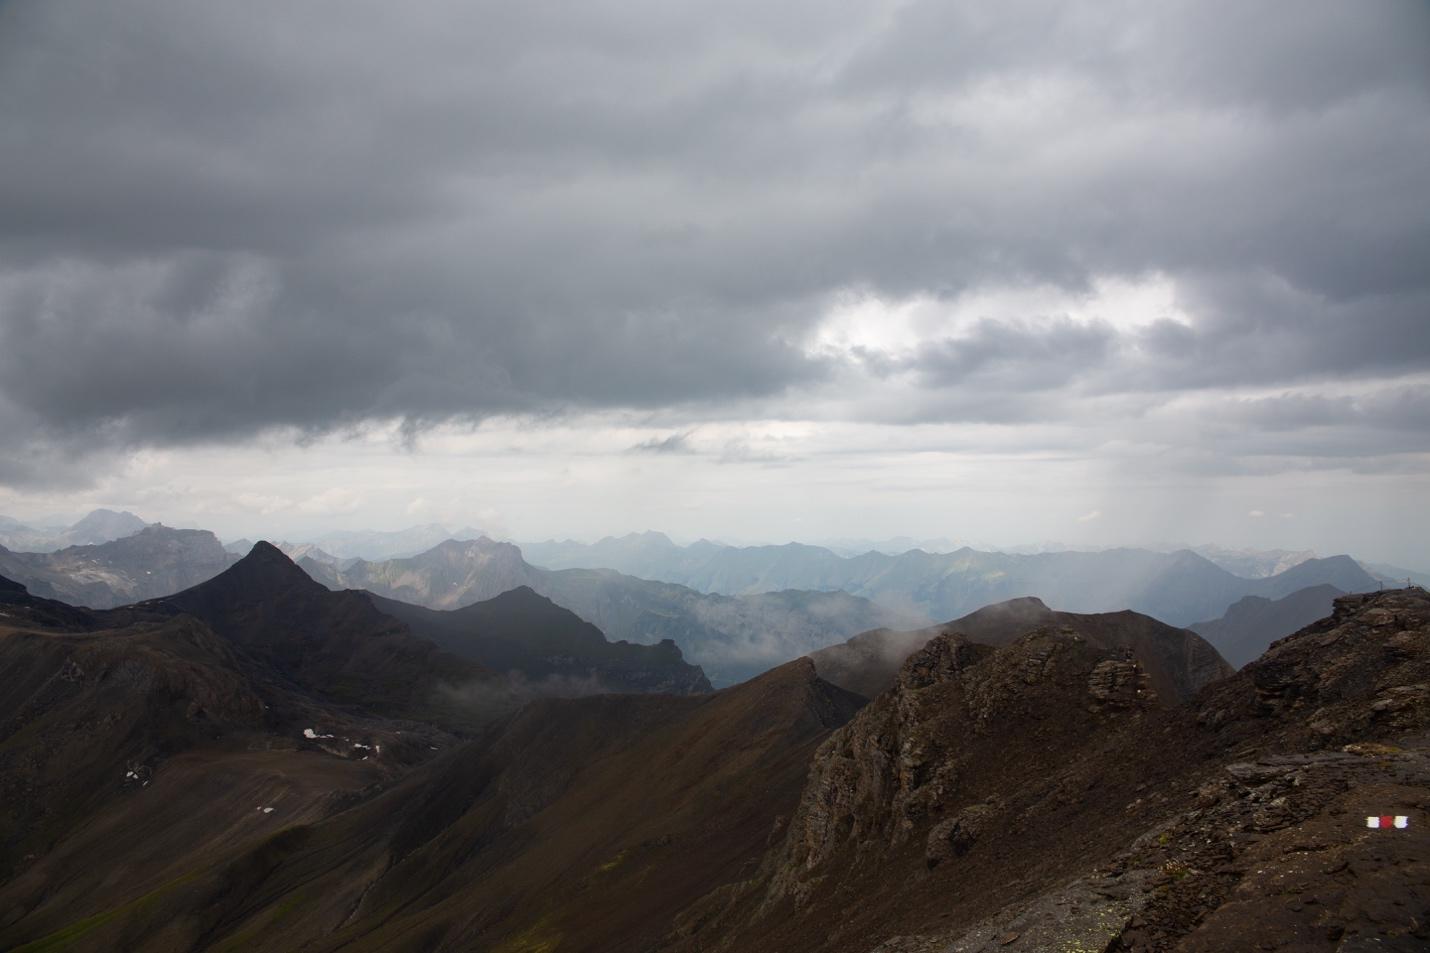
{"x": 1048, "y": 781}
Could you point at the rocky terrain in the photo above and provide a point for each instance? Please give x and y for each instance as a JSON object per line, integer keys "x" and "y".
{"x": 1042, "y": 796}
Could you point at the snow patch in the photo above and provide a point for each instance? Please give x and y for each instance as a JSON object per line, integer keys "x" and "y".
{"x": 312, "y": 735}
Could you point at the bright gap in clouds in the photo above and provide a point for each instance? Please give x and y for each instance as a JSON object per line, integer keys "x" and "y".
{"x": 865, "y": 323}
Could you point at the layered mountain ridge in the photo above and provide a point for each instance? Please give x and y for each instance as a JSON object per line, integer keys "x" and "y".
{"x": 731, "y": 638}
{"x": 1179, "y": 588}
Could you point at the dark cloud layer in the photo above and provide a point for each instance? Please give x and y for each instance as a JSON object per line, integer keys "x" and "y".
{"x": 216, "y": 219}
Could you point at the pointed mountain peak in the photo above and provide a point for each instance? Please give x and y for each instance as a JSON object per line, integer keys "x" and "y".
{"x": 523, "y": 593}
{"x": 264, "y": 568}
{"x": 527, "y": 600}
{"x": 264, "y": 551}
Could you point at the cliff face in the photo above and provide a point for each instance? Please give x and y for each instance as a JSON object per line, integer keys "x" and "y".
{"x": 938, "y": 757}
{"x": 1042, "y": 795}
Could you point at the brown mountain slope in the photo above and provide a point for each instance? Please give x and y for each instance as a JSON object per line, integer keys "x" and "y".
{"x": 135, "y": 744}
{"x": 1177, "y": 662}
{"x": 581, "y": 824}
{"x": 1005, "y": 799}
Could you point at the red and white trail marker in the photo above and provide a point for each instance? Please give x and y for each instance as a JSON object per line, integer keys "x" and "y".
{"x": 1388, "y": 820}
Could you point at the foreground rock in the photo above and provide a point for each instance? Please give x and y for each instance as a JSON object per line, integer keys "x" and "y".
{"x": 1038, "y": 797}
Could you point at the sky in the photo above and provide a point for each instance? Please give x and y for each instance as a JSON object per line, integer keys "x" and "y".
{"x": 1097, "y": 273}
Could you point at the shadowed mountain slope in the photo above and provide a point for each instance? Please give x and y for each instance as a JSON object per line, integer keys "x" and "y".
{"x": 526, "y": 632}
{"x": 578, "y": 823}
{"x": 1251, "y": 624}
{"x": 336, "y": 643}
{"x": 135, "y": 742}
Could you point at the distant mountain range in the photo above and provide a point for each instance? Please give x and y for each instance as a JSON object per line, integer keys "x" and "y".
{"x": 1178, "y": 588}
{"x": 98, "y": 526}
{"x": 1254, "y": 563}
{"x": 155, "y": 561}
{"x": 368, "y": 544}
{"x": 747, "y": 610}
{"x": 731, "y": 638}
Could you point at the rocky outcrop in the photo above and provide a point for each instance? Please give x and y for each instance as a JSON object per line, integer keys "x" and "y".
{"x": 924, "y": 756}
{"x": 953, "y": 837}
{"x": 1361, "y": 672}
{"x": 1120, "y": 683}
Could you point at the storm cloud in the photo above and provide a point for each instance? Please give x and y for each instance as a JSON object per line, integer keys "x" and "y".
{"x": 220, "y": 221}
